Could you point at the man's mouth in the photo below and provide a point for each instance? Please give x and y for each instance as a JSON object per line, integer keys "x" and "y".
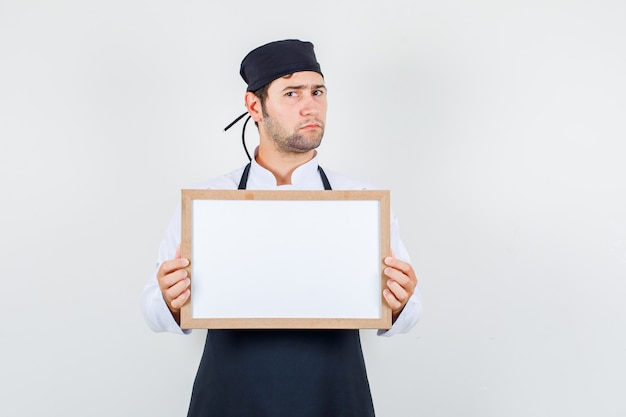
{"x": 311, "y": 126}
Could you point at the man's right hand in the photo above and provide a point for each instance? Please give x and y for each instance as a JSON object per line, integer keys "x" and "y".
{"x": 174, "y": 283}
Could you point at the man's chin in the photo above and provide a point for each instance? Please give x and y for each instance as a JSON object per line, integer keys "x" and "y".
{"x": 305, "y": 145}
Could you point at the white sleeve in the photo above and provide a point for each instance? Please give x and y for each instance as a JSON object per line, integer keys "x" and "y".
{"x": 412, "y": 312}
{"x": 153, "y": 306}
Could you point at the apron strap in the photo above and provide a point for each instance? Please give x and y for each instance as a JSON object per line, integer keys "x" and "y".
{"x": 327, "y": 186}
{"x": 244, "y": 177}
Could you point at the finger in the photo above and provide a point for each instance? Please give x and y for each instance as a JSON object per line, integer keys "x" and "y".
{"x": 403, "y": 280}
{"x": 176, "y": 290}
{"x": 398, "y": 275}
{"x": 399, "y": 292}
{"x": 177, "y": 256}
{"x": 405, "y": 267}
{"x": 391, "y": 300}
{"x": 181, "y": 300}
{"x": 173, "y": 278}
{"x": 171, "y": 266}
{"x": 398, "y": 264}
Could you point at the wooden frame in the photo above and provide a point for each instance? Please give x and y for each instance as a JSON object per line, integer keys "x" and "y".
{"x": 319, "y": 254}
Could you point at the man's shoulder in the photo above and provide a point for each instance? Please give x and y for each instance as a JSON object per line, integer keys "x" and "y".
{"x": 228, "y": 181}
{"x": 340, "y": 181}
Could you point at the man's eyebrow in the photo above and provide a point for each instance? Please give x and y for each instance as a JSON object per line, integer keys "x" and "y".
{"x": 305, "y": 86}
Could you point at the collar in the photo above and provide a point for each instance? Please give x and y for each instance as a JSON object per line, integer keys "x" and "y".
{"x": 304, "y": 177}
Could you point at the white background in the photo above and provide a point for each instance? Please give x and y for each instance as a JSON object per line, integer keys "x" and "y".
{"x": 497, "y": 125}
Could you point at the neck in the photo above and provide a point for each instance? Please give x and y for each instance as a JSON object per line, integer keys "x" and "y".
{"x": 281, "y": 164}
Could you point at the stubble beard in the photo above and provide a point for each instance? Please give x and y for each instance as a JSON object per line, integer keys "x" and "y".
{"x": 296, "y": 142}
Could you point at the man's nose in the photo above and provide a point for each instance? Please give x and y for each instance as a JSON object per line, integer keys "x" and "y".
{"x": 310, "y": 106}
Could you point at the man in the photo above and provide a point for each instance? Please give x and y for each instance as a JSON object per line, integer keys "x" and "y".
{"x": 273, "y": 373}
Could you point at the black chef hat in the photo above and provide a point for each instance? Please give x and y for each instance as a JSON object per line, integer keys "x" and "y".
{"x": 276, "y": 59}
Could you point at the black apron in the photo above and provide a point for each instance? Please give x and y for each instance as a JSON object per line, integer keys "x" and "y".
{"x": 281, "y": 373}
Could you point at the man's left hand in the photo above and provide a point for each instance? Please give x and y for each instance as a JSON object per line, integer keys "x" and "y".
{"x": 400, "y": 285}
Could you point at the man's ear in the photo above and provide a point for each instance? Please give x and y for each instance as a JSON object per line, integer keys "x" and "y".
{"x": 253, "y": 105}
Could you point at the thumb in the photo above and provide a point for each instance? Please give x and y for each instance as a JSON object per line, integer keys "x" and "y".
{"x": 177, "y": 256}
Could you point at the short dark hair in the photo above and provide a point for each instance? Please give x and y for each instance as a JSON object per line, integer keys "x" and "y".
{"x": 261, "y": 94}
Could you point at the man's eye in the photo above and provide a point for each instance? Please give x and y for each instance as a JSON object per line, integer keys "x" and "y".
{"x": 318, "y": 92}
{"x": 290, "y": 94}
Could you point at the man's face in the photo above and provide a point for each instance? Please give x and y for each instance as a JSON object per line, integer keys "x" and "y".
{"x": 294, "y": 112}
